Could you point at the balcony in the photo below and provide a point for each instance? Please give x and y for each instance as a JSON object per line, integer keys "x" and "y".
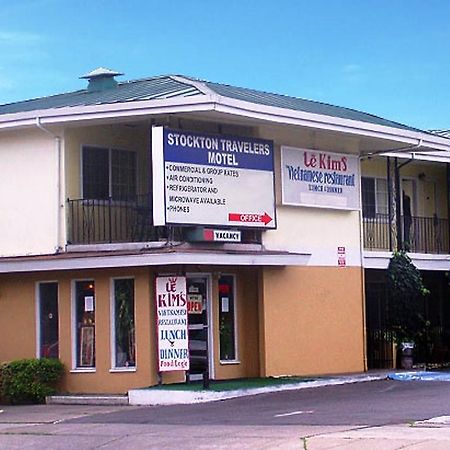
{"x": 112, "y": 221}
{"x": 424, "y": 235}
{"x": 121, "y": 221}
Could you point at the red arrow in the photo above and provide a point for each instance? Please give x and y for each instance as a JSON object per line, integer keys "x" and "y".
{"x": 252, "y": 218}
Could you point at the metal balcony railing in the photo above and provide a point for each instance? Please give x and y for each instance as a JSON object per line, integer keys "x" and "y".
{"x": 420, "y": 234}
{"x": 131, "y": 220}
{"x": 110, "y": 220}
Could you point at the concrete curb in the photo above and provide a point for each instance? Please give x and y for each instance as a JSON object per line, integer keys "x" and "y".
{"x": 106, "y": 400}
{"x": 161, "y": 396}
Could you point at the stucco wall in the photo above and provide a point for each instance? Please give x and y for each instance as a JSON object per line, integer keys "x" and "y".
{"x": 312, "y": 321}
{"x": 118, "y": 136}
{"x": 430, "y": 180}
{"x": 318, "y": 231}
{"x": 28, "y": 193}
{"x": 18, "y": 325}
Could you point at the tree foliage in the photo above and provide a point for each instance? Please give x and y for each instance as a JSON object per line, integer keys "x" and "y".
{"x": 407, "y": 294}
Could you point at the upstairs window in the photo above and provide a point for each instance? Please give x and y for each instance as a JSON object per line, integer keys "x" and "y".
{"x": 374, "y": 196}
{"x": 108, "y": 173}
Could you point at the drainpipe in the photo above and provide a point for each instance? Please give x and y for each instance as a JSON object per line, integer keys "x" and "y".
{"x": 60, "y": 156}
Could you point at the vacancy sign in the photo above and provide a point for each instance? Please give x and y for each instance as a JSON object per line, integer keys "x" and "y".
{"x": 320, "y": 179}
{"x": 172, "y": 323}
{"x": 202, "y": 179}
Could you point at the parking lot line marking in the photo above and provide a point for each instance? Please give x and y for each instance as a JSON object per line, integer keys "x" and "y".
{"x": 293, "y": 413}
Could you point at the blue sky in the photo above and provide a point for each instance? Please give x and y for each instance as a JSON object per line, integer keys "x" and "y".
{"x": 390, "y": 58}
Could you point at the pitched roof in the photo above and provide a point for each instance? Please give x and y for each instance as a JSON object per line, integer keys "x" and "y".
{"x": 169, "y": 86}
{"x": 146, "y": 89}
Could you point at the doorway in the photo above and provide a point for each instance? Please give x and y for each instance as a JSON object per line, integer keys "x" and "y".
{"x": 198, "y": 293}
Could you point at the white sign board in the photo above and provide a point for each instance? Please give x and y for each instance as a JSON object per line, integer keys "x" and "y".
{"x": 201, "y": 179}
{"x": 320, "y": 179}
{"x": 172, "y": 323}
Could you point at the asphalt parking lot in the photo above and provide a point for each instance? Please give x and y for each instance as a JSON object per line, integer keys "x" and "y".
{"x": 377, "y": 414}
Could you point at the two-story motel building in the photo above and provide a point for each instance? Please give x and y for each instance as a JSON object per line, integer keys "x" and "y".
{"x": 254, "y": 197}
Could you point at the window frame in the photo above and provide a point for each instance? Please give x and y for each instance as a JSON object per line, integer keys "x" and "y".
{"x": 114, "y": 367}
{"x": 236, "y": 359}
{"x": 110, "y": 150}
{"x": 376, "y": 191}
{"x": 74, "y": 335}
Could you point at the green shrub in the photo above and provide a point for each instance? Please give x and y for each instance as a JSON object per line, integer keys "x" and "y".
{"x": 29, "y": 380}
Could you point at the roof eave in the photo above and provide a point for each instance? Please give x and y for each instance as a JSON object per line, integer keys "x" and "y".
{"x": 330, "y": 123}
{"x": 226, "y": 105}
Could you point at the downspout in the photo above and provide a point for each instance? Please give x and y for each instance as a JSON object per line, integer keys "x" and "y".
{"x": 60, "y": 191}
{"x": 363, "y": 273}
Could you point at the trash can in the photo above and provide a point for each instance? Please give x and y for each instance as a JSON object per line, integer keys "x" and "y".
{"x": 406, "y": 360}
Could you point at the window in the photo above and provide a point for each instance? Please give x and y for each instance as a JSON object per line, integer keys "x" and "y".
{"x": 374, "y": 196}
{"x": 48, "y": 332}
{"x": 227, "y": 325}
{"x": 108, "y": 173}
{"x": 123, "y": 328}
{"x": 84, "y": 311}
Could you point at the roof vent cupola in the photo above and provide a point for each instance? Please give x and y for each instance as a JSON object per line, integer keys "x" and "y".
{"x": 101, "y": 79}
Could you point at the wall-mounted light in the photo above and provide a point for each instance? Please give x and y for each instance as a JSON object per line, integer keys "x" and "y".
{"x": 421, "y": 176}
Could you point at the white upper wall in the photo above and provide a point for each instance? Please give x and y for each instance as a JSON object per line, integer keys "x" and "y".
{"x": 317, "y": 231}
{"x": 28, "y": 193}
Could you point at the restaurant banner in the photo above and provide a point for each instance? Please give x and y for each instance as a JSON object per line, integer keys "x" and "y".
{"x": 319, "y": 179}
{"x": 172, "y": 323}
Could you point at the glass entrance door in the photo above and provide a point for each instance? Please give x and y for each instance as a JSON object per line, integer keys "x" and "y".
{"x": 197, "y": 292}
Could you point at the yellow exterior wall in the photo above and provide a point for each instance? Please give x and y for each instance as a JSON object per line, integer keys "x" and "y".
{"x": 18, "y": 312}
{"x": 246, "y": 327}
{"x": 118, "y": 136}
{"x": 422, "y": 173}
{"x": 312, "y": 319}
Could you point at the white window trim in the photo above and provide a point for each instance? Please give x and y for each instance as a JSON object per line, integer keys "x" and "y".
{"x": 376, "y": 180}
{"x": 76, "y": 369}
{"x": 236, "y": 359}
{"x": 112, "y": 321}
{"x": 38, "y": 314}
{"x": 110, "y": 149}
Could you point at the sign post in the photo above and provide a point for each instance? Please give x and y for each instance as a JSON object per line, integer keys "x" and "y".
{"x": 172, "y": 323}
